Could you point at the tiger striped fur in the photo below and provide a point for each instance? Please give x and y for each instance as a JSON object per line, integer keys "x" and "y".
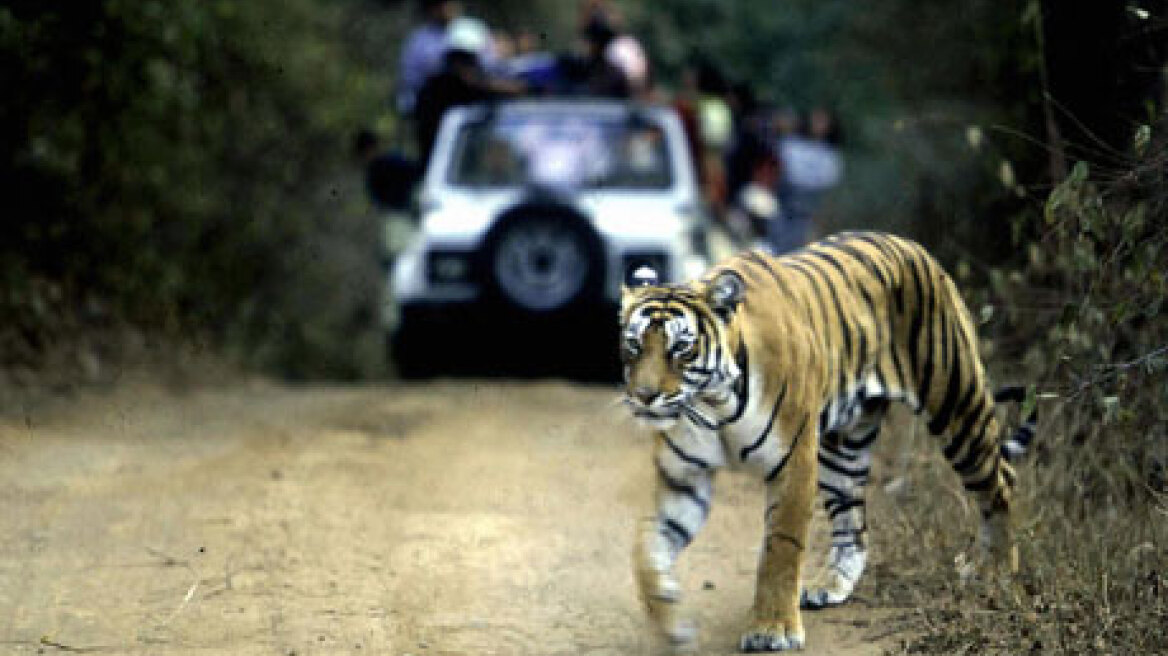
{"x": 785, "y": 367}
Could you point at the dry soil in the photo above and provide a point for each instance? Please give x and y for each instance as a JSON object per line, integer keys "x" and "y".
{"x": 440, "y": 518}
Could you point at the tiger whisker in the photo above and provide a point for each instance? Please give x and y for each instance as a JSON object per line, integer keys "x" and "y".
{"x": 698, "y": 417}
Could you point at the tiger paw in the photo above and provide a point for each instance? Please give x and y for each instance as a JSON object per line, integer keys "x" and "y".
{"x": 817, "y": 598}
{"x": 661, "y": 594}
{"x": 680, "y": 633}
{"x": 833, "y": 586}
{"x": 987, "y": 565}
{"x": 682, "y": 636}
{"x": 658, "y": 589}
{"x": 772, "y": 636}
{"x": 998, "y": 550}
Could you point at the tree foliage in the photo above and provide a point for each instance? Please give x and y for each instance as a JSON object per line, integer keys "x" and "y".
{"x": 907, "y": 79}
{"x": 181, "y": 162}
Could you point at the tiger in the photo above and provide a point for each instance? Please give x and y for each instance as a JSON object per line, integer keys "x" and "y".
{"x": 784, "y": 367}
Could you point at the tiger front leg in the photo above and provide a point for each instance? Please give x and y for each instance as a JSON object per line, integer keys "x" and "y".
{"x": 777, "y": 623}
{"x": 844, "y": 463}
{"x": 684, "y": 490}
{"x": 659, "y": 589}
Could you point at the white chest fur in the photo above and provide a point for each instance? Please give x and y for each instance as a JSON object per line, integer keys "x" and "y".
{"x": 754, "y": 441}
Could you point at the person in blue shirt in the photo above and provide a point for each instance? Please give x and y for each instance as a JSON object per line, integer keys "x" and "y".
{"x": 812, "y": 165}
{"x": 424, "y": 48}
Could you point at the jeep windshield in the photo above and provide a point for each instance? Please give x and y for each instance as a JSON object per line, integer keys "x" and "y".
{"x": 611, "y": 150}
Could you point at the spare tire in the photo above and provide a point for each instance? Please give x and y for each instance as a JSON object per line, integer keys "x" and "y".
{"x": 543, "y": 257}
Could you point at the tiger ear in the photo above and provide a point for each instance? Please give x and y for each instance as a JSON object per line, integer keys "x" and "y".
{"x": 725, "y": 292}
{"x": 626, "y": 299}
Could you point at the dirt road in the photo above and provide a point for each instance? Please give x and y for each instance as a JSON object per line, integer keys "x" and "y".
{"x": 445, "y": 518}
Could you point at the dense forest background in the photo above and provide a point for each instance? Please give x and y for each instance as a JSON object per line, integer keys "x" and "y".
{"x": 185, "y": 167}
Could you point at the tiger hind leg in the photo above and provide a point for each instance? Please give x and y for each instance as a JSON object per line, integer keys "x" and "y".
{"x": 975, "y": 453}
{"x": 844, "y": 462}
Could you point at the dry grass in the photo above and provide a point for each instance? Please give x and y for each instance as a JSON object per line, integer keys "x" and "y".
{"x": 1095, "y": 565}
{"x": 1083, "y": 318}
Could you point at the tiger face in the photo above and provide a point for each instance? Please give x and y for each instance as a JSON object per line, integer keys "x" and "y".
{"x": 675, "y": 347}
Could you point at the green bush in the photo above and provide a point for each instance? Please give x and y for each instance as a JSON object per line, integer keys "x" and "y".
{"x": 183, "y": 166}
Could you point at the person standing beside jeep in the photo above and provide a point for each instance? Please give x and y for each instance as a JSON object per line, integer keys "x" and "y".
{"x": 812, "y": 165}
{"x": 424, "y": 48}
{"x": 462, "y": 80}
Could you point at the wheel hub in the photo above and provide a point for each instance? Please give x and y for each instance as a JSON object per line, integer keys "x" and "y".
{"x": 540, "y": 266}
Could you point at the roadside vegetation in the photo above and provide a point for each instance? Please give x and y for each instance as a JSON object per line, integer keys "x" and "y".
{"x": 1085, "y": 317}
{"x": 181, "y": 170}
{"x": 185, "y": 169}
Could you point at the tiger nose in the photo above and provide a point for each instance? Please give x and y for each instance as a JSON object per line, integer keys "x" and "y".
{"x": 645, "y": 394}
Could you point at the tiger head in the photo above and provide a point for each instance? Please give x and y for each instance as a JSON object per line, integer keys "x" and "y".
{"x": 677, "y": 346}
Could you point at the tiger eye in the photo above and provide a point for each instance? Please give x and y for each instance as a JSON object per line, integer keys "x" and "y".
{"x": 631, "y": 348}
{"x": 683, "y": 350}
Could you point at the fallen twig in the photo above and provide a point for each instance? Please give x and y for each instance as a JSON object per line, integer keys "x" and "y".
{"x": 48, "y": 642}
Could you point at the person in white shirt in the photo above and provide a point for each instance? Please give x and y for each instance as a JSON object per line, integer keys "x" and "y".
{"x": 812, "y": 165}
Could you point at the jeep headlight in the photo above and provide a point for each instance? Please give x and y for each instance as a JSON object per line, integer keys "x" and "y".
{"x": 448, "y": 267}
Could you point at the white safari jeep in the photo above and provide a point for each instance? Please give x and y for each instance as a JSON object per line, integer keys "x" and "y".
{"x": 531, "y": 215}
